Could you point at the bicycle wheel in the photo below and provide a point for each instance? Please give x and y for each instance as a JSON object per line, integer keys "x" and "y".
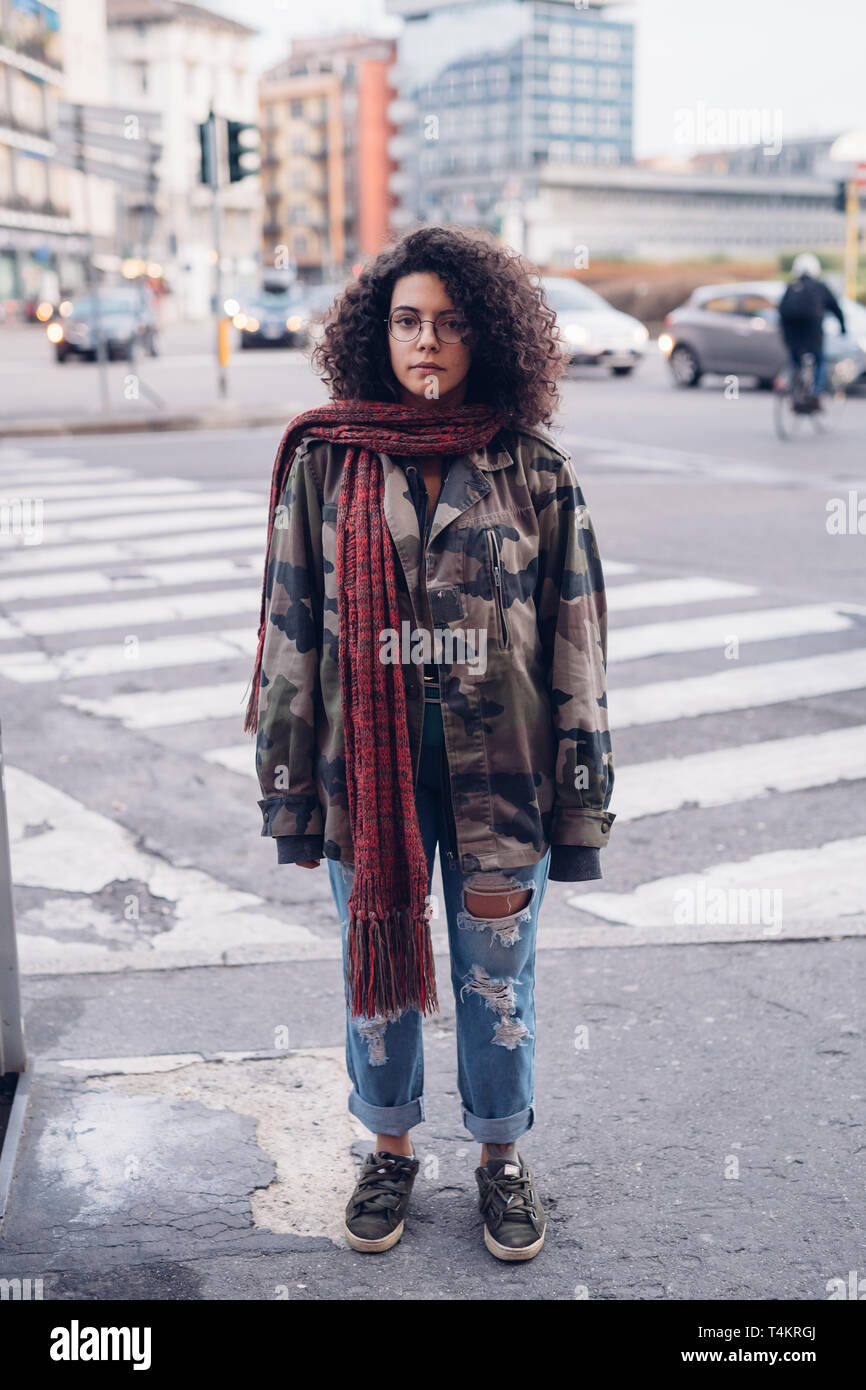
{"x": 789, "y": 423}
{"x": 832, "y": 405}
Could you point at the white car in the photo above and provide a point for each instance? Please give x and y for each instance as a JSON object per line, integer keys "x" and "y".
{"x": 592, "y": 331}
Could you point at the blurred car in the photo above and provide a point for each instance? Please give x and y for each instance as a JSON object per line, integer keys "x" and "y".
{"x": 734, "y": 330}
{"x": 594, "y": 332}
{"x": 272, "y": 318}
{"x": 123, "y": 319}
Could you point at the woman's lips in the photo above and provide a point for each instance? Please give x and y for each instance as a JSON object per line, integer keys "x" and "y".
{"x": 426, "y": 367}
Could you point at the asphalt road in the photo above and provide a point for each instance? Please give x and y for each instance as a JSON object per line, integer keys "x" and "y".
{"x": 700, "y": 1068}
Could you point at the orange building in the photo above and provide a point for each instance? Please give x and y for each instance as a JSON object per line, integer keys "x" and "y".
{"x": 325, "y": 160}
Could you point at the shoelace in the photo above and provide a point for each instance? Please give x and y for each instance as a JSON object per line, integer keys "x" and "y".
{"x": 386, "y": 1177}
{"x": 508, "y": 1196}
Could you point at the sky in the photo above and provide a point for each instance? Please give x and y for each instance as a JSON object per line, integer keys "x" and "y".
{"x": 781, "y": 67}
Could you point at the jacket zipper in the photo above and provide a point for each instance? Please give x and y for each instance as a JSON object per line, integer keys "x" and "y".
{"x": 493, "y": 547}
{"x": 451, "y": 852}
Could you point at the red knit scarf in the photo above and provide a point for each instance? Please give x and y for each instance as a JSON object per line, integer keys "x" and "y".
{"x": 389, "y": 957}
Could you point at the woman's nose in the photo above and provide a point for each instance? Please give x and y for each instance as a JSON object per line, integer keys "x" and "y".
{"x": 427, "y": 338}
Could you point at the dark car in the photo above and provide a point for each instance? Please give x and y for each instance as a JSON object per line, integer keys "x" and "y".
{"x": 122, "y": 318}
{"x": 734, "y": 330}
{"x": 273, "y": 318}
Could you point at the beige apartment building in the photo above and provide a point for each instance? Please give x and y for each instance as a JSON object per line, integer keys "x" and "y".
{"x": 325, "y": 159}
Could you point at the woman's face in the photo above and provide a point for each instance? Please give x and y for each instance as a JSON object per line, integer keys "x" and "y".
{"x": 426, "y": 368}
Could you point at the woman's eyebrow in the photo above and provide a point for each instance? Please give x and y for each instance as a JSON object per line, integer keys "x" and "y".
{"x": 418, "y": 311}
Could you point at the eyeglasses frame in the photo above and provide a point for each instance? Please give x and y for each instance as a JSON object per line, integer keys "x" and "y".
{"x": 421, "y": 323}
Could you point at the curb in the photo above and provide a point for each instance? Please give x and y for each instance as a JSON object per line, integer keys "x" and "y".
{"x": 120, "y": 424}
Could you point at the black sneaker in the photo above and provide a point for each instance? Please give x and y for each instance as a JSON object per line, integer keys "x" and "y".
{"x": 514, "y": 1219}
{"x": 376, "y": 1209}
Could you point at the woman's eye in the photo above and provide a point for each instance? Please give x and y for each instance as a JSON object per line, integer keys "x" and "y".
{"x": 405, "y": 320}
{"x": 455, "y": 325}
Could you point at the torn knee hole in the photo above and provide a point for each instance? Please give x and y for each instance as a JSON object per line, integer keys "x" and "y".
{"x": 373, "y": 1030}
{"x": 500, "y": 909}
{"x": 498, "y": 995}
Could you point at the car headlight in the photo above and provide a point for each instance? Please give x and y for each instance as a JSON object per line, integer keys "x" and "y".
{"x": 640, "y": 334}
{"x": 575, "y": 333}
{"x": 666, "y": 342}
{"x": 294, "y": 323}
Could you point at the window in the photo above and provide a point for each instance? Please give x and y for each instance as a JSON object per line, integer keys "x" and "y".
{"x": 299, "y": 242}
{"x": 584, "y": 119}
{"x": 608, "y": 82}
{"x": 584, "y": 80}
{"x": 559, "y": 79}
{"x": 559, "y": 152}
{"x": 298, "y": 145}
{"x": 722, "y": 304}
{"x": 298, "y": 212}
{"x": 608, "y": 121}
{"x": 758, "y": 306}
{"x": 560, "y": 117}
{"x": 560, "y": 38}
{"x": 297, "y": 108}
{"x": 585, "y": 40}
{"x": 609, "y": 44}
{"x": 299, "y": 177}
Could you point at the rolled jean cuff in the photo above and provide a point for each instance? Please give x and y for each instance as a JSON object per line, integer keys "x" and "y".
{"x": 502, "y": 1130}
{"x": 387, "y": 1119}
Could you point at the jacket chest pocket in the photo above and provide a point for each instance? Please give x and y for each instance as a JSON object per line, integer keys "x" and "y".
{"x": 484, "y": 582}
{"x": 495, "y": 556}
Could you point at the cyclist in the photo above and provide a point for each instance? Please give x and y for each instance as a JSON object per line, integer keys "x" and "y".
{"x": 801, "y": 312}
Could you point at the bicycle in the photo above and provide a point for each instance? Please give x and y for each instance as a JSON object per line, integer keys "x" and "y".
{"x": 796, "y": 401}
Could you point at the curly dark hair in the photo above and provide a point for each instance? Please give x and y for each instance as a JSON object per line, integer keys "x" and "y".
{"x": 516, "y": 359}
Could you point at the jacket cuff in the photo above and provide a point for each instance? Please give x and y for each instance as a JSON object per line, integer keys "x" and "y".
{"x": 574, "y": 863}
{"x": 291, "y": 815}
{"x": 291, "y": 848}
{"x": 576, "y": 825}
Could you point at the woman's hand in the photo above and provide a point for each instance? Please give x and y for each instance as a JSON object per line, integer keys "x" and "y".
{"x": 308, "y": 863}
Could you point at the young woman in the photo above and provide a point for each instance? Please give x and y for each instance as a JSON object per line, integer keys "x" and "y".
{"x": 431, "y": 670}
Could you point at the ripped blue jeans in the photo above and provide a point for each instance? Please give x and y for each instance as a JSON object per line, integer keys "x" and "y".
{"x": 492, "y": 976}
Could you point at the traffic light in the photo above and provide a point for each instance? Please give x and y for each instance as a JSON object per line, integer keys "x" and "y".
{"x": 840, "y": 202}
{"x": 243, "y": 149}
{"x": 207, "y": 143}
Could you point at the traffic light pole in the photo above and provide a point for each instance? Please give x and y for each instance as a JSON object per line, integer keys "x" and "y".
{"x": 852, "y": 234}
{"x": 213, "y": 179}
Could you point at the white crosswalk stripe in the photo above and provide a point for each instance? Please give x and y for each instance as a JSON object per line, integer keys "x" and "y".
{"x": 770, "y": 684}
{"x": 126, "y": 540}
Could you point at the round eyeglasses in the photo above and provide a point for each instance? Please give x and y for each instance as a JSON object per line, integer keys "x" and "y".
{"x": 405, "y": 325}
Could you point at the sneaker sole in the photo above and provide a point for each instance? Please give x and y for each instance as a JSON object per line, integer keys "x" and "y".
{"x": 510, "y": 1252}
{"x": 373, "y": 1247}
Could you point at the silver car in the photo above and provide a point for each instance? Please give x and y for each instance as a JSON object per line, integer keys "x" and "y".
{"x": 592, "y": 331}
{"x": 734, "y": 330}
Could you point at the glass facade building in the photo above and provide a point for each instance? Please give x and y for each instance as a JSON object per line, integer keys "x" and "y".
{"x": 491, "y": 90}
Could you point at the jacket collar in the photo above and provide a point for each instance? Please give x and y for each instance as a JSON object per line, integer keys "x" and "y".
{"x": 466, "y": 482}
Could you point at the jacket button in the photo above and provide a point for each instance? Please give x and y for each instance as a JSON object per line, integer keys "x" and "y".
{"x": 412, "y": 690}
{"x": 266, "y": 814}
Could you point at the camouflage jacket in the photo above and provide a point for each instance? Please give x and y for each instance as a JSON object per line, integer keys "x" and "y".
{"x": 511, "y": 563}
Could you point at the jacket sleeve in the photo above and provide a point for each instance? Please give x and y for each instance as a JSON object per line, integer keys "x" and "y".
{"x": 833, "y": 305}
{"x": 290, "y": 691}
{"x": 572, "y": 619}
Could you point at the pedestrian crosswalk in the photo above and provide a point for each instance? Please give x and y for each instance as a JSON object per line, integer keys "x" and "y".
{"x": 138, "y": 604}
